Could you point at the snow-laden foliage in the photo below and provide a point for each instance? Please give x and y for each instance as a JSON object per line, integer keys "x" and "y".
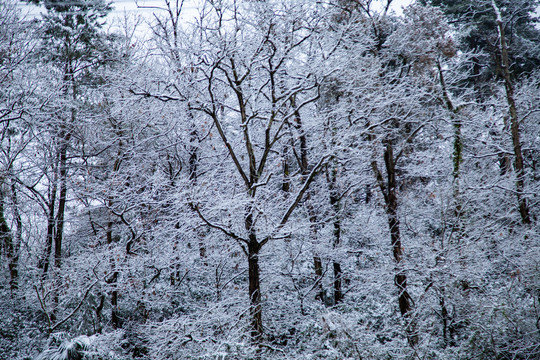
{"x": 269, "y": 180}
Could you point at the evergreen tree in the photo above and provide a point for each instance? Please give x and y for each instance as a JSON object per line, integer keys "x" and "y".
{"x": 477, "y": 20}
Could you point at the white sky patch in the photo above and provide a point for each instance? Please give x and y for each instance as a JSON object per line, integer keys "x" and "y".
{"x": 146, "y": 9}
{"x": 146, "y": 6}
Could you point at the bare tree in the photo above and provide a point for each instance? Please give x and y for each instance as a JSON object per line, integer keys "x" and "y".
{"x": 251, "y": 62}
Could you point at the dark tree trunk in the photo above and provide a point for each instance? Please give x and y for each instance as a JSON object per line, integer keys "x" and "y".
{"x": 514, "y": 122}
{"x": 286, "y": 182}
{"x": 445, "y": 319}
{"x": 400, "y": 279}
{"x": 317, "y": 262}
{"x": 193, "y": 174}
{"x": 389, "y": 191}
{"x": 115, "y": 319}
{"x": 255, "y": 292}
{"x": 45, "y": 261}
{"x": 59, "y": 232}
{"x": 334, "y": 202}
{"x": 64, "y": 138}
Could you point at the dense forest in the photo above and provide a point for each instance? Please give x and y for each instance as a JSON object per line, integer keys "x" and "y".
{"x": 270, "y": 179}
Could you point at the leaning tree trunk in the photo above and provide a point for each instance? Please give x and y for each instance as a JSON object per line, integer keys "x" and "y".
{"x": 514, "y": 120}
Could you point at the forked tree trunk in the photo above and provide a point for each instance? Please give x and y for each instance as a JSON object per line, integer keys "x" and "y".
{"x": 393, "y": 223}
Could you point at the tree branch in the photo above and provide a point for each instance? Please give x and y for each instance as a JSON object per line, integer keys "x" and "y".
{"x": 298, "y": 198}
{"x": 76, "y": 309}
{"x": 218, "y": 227}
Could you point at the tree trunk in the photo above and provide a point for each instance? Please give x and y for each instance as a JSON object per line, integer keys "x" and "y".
{"x": 16, "y": 244}
{"x": 400, "y": 279}
{"x": 514, "y": 120}
{"x": 64, "y": 137}
{"x": 303, "y": 164}
{"x": 393, "y": 223}
{"x": 317, "y": 263}
{"x": 115, "y": 319}
{"x": 59, "y": 232}
{"x": 193, "y": 175}
{"x": 388, "y": 189}
{"x": 45, "y": 261}
{"x": 447, "y": 321}
{"x": 334, "y": 202}
{"x": 254, "y": 289}
{"x": 286, "y": 182}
